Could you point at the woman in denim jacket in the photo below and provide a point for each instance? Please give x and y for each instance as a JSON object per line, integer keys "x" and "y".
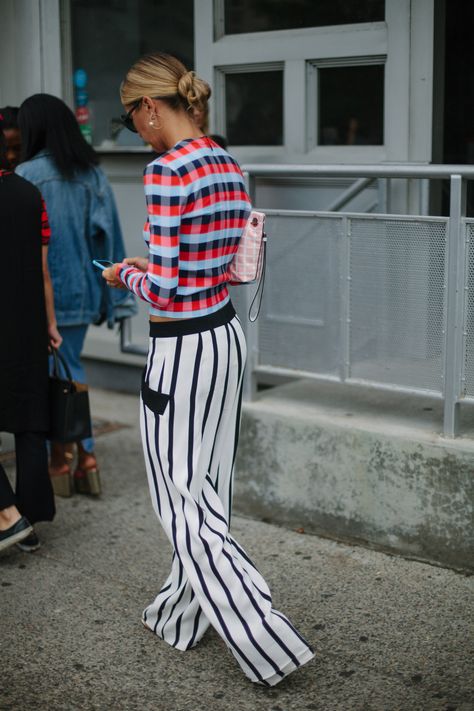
{"x": 84, "y": 226}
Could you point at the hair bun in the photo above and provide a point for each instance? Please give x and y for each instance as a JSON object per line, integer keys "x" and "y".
{"x": 164, "y": 76}
{"x": 186, "y": 87}
{"x": 193, "y": 90}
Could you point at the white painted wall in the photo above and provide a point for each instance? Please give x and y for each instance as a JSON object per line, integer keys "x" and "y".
{"x": 30, "y": 49}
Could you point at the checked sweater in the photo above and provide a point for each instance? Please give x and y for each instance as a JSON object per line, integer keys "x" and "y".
{"x": 197, "y": 209}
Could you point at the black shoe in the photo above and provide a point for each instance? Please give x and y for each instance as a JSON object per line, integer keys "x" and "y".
{"x": 16, "y": 533}
{"x": 29, "y": 544}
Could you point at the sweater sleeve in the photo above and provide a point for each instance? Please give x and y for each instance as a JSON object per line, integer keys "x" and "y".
{"x": 166, "y": 200}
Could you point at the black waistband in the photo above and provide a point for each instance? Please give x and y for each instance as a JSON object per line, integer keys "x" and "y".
{"x": 192, "y": 325}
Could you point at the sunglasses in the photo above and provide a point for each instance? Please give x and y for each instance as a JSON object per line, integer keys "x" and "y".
{"x": 127, "y": 119}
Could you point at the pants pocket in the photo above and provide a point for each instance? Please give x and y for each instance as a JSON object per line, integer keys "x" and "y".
{"x": 154, "y": 400}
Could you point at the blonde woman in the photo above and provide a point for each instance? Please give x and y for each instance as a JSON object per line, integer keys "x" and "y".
{"x": 191, "y": 391}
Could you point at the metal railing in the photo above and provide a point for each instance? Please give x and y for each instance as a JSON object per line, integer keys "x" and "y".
{"x": 384, "y": 300}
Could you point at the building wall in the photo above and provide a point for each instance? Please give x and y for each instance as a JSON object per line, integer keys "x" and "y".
{"x": 38, "y": 40}
{"x": 30, "y": 50}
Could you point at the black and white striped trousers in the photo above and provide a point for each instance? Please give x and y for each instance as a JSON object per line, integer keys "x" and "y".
{"x": 190, "y": 418}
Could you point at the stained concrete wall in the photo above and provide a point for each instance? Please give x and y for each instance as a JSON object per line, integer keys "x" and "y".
{"x": 360, "y": 466}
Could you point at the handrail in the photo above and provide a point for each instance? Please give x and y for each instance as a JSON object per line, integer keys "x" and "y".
{"x": 379, "y": 170}
{"x": 455, "y": 287}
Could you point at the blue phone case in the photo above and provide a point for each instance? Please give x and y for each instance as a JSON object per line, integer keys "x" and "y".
{"x": 101, "y": 263}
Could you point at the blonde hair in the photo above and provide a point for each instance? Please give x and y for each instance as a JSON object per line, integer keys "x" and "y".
{"x": 162, "y": 76}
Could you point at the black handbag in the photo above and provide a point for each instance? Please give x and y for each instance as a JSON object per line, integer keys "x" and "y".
{"x": 69, "y": 410}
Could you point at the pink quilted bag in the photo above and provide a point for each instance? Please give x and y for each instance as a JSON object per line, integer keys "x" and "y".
{"x": 247, "y": 264}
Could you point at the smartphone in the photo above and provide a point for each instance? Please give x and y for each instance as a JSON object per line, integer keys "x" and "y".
{"x": 101, "y": 263}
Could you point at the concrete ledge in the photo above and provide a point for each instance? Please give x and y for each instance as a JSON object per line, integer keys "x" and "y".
{"x": 359, "y": 466}
{"x": 118, "y": 377}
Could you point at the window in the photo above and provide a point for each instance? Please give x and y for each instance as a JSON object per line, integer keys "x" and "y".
{"x": 254, "y": 108}
{"x": 347, "y": 108}
{"x": 266, "y": 15}
{"x": 107, "y": 37}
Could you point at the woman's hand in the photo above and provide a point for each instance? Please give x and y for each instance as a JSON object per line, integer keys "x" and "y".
{"x": 140, "y": 263}
{"x": 55, "y": 338}
{"x": 111, "y": 277}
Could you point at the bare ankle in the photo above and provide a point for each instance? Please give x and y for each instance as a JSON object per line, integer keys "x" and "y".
{"x": 61, "y": 456}
{"x": 87, "y": 460}
{"x": 8, "y": 517}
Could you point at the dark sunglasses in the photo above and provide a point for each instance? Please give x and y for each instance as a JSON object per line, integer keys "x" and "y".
{"x": 127, "y": 119}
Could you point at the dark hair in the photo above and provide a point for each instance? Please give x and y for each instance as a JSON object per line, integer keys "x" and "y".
{"x": 3, "y": 155}
{"x": 46, "y": 122}
{"x": 9, "y": 117}
{"x": 220, "y": 140}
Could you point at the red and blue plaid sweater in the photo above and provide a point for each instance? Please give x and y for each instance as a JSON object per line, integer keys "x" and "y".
{"x": 197, "y": 210}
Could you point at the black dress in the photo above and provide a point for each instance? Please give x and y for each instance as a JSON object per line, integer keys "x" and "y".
{"x": 24, "y": 346}
{"x": 24, "y": 349}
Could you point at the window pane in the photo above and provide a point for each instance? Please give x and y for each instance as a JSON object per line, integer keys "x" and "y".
{"x": 107, "y": 37}
{"x": 351, "y": 105}
{"x": 264, "y": 15}
{"x": 254, "y": 108}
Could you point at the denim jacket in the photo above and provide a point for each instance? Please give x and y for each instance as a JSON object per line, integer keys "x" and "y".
{"x": 84, "y": 226}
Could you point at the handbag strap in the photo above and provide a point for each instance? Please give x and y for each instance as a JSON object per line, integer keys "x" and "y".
{"x": 259, "y": 292}
{"x": 58, "y": 359}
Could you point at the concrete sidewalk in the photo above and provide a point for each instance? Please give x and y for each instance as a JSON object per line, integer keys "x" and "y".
{"x": 389, "y": 634}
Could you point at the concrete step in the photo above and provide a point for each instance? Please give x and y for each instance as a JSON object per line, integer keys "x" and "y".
{"x": 360, "y": 465}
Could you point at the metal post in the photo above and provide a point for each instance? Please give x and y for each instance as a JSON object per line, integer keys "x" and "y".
{"x": 250, "y": 329}
{"x": 455, "y": 306}
{"x": 424, "y": 196}
{"x": 382, "y": 190}
{"x": 345, "y": 308}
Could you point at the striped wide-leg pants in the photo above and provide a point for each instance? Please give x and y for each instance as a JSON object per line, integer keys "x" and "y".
{"x": 190, "y": 418}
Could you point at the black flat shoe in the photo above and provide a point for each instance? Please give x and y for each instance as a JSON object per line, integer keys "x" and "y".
{"x": 16, "y": 533}
{"x": 29, "y": 544}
